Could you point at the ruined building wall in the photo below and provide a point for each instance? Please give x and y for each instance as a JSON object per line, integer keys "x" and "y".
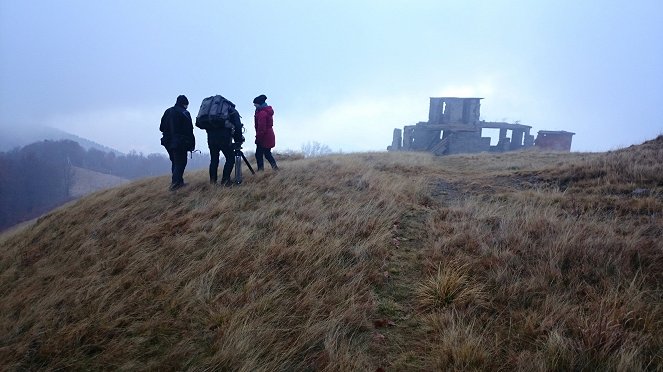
{"x": 472, "y": 108}
{"x": 424, "y": 138}
{"x": 554, "y": 141}
{"x": 450, "y": 110}
{"x": 467, "y": 142}
{"x": 517, "y": 136}
{"x": 453, "y": 110}
{"x": 397, "y": 141}
{"x": 435, "y": 110}
{"x": 457, "y": 122}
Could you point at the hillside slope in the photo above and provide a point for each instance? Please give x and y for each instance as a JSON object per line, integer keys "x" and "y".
{"x": 85, "y": 181}
{"x": 356, "y": 262}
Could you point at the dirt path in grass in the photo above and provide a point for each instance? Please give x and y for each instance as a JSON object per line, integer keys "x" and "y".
{"x": 397, "y": 330}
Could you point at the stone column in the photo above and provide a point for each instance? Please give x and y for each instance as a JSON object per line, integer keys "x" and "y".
{"x": 397, "y": 141}
{"x": 529, "y": 139}
{"x": 517, "y": 139}
{"x": 408, "y": 137}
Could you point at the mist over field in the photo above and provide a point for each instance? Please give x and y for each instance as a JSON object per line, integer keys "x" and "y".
{"x": 343, "y": 74}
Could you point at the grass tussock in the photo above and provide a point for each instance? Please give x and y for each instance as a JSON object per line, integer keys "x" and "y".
{"x": 450, "y": 285}
{"x": 521, "y": 261}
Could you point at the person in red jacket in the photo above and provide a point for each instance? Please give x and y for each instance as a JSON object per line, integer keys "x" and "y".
{"x": 265, "y": 140}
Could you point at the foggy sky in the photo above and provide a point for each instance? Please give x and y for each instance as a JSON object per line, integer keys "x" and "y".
{"x": 343, "y": 73}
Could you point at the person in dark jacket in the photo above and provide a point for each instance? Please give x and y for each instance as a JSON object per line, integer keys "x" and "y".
{"x": 178, "y": 138}
{"x": 220, "y": 139}
{"x": 265, "y": 139}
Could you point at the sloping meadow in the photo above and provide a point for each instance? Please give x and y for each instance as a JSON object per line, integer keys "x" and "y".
{"x": 533, "y": 261}
{"x": 276, "y": 274}
{"x": 520, "y": 261}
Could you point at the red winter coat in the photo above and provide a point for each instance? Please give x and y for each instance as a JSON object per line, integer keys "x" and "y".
{"x": 264, "y": 121}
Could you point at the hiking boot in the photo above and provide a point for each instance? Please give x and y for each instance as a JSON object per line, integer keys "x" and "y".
{"x": 226, "y": 183}
{"x": 212, "y": 182}
{"x": 176, "y": 186}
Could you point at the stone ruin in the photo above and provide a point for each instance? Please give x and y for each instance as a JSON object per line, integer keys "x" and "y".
{"x": 552, "y": 140}
{"x": 454, "y": 127}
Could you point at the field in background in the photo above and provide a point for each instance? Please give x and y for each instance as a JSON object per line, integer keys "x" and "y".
{"x": 401, "y": 261}
{"x": 85, "y": 181}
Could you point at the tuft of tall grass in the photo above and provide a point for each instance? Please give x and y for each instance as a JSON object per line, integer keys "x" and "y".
{"x": 450, "y": 285}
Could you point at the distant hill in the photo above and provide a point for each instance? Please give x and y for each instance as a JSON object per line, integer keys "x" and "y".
{"x": 361, "y": 262}
{"x": 13, "y": 137}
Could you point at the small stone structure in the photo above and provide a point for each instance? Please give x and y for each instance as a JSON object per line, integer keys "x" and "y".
{"x": 554, "y": 140}
{"x": 454, "y": 127}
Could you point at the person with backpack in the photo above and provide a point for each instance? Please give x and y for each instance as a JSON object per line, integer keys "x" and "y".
{"x": 265, "y": 139}
{"x": 219, "y": 118}
{"x": 178, "y": 139}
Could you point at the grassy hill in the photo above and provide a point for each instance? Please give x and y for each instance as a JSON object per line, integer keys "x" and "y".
{"x": 394, "y": 261}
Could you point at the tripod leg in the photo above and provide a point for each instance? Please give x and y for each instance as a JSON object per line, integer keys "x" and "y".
{"x": 248, "y": 164}
{"x": 238, "y": 169}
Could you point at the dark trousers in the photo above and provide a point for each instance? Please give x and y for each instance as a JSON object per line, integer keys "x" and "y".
{"x": 229, "y": 154}
{"x": 267, "y": 153}
{"x": 178, "y": 161}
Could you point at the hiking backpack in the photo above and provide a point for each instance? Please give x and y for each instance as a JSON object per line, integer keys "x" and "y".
{"x": 215, "y": 113}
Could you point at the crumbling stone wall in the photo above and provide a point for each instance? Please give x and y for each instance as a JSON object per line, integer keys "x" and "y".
{"x": 397, "y": 141}
{"x": 554, "y": 140}
{"x": 454, "y": 127}
{"x": 447, "y": 110}
{"x": 467, "y": 142}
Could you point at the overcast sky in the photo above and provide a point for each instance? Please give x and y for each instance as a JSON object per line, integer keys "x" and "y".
{"x": 343, "y": 73}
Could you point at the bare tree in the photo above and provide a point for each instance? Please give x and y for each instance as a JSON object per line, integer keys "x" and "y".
{"x": 315, "y": 148}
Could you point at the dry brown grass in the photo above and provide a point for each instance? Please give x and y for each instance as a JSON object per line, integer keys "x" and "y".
{"x": 523, "y": 261}
{"x": 274, "y": 275}
{"x": 451, "y": 285}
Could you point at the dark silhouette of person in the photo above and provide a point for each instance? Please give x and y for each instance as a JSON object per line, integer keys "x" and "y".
{"x": 178, "y": 138}
{"x": 265, "y": 139}
{"x": 220, "y": 139}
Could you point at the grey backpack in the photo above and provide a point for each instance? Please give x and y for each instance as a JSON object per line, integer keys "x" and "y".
{"x": 214, "y": 112}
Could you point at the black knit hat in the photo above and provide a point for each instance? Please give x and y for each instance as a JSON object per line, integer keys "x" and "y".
{"x": 182, "y": 100}
{"x": 260, "y": 99}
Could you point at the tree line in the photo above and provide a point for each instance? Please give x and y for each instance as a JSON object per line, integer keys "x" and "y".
{"x": 37, "y": 178}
